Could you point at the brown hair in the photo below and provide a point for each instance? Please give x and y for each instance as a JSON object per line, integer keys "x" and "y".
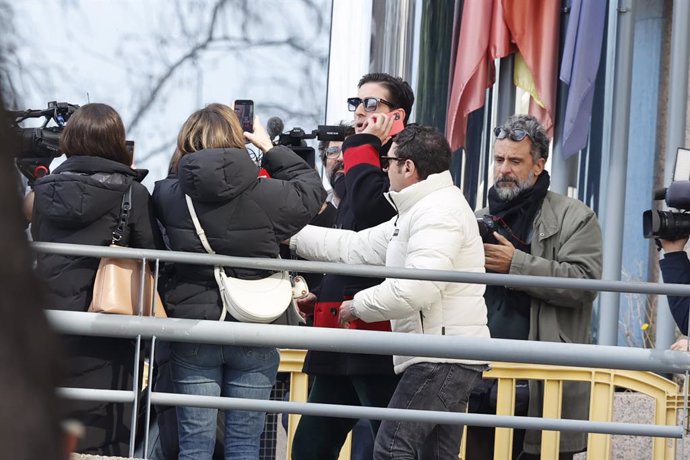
{"x": 96, "y": 130}
{"x": 214, "y": 127}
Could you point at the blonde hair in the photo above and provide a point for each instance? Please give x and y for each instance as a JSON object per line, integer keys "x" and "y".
{"x": 214, "y": 127}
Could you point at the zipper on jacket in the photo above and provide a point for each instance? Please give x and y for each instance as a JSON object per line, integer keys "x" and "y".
{"x": 397, "y": 213}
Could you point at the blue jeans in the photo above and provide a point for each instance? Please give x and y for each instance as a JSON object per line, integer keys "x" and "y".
{"x": 427, "y": 386}
{"x": 215, "y": 370}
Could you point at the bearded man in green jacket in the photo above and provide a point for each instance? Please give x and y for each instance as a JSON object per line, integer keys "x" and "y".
{"x": 532, "y": 231}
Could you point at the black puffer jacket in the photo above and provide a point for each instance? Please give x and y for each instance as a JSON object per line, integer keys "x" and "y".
{"x": 80, "y": 203}
{"x": 241, "y": 215}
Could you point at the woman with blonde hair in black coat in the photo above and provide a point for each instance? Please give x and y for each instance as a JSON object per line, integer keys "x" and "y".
{"x": 242, "y": 215}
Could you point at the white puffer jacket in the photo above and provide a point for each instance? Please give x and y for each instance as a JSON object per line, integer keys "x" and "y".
{"x": 435, "y": 229}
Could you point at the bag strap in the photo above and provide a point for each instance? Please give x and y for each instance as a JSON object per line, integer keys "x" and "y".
{"x": 125, "y": 209}
{"x": 197, "y": 225}
{"x": 204, "y": 242}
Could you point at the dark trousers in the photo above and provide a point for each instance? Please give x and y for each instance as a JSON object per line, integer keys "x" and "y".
{"x": 427, "y": 386}
{"x": 321, "y": 438}
{"x": 102, "y": 363}
{"x": 480, "y": 440}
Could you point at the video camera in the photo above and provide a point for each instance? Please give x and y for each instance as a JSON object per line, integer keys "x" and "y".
{"x": 39, "y": 146}
{"x": 294, "y": 139}
{"x": 671, "y": 225}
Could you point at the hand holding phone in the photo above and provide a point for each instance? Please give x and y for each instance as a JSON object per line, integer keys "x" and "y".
{"x": 244, "y": 108}
{"x": 384, "y": 126}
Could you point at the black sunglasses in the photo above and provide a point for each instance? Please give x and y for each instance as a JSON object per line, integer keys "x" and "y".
{"x": 514, "y": 135}
{"x": 385, "y": 160}
{"x": 370, "y": 103}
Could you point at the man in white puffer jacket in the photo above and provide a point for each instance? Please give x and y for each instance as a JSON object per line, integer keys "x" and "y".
{"x": 434, "y": 229}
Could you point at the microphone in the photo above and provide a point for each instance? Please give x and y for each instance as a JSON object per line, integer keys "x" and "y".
{"x": 274, "y": 127}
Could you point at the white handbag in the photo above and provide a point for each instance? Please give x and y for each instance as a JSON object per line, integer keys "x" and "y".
{"x": 251, "y": 301}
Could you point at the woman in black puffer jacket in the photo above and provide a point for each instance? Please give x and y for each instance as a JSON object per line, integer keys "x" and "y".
{"x": 80, "y": 203}
{"x": 242, "y": 215}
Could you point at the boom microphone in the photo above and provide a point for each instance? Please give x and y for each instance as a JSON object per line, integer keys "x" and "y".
{"x": 274, "y": 127}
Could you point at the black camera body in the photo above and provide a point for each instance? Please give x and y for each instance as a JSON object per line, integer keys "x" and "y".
{"x": 295, "y": 140}
{"x": 487, "y": 227}
{"x": 39, "y": 146}
{"x": 669, "y": 225}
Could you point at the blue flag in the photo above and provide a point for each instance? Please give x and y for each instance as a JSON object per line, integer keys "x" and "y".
{"x": 579, "y": 65}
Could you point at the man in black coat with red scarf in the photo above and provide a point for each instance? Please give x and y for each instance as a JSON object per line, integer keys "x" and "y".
{"x": 348, "y": 378}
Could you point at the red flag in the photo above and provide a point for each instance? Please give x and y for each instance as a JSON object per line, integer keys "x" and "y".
{"x": 533, "y": 28}
{"x": 483, "y": 38}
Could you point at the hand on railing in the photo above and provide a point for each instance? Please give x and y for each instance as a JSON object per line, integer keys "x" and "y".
{"x": 681, "y": 345}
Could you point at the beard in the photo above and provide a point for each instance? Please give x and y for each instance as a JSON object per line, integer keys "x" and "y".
{"x": 508, "y": 192}
{"x": 337, "y": 180}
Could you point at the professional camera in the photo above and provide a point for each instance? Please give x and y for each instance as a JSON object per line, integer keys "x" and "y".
{"x": 487, "y": 227}
{"x": 294, "y": 139}
{"x": 38, "y": 146}
{"x": 669, "y": 225}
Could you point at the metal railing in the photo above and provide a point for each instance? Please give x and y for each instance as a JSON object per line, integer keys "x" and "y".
{"x": 386, "y": 343}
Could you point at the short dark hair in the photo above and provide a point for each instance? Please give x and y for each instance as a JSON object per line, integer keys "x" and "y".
{"x": 96, "y": 130}
{"x": 535, "y": 131}
{"x": 323, "y": 145}
{"x": 401, "y": 94}
{"x": 426, "y": 147}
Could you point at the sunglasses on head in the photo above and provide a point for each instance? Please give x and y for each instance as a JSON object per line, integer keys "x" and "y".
{"x": 514, "y": 135}
{"x": 370, "y": 103}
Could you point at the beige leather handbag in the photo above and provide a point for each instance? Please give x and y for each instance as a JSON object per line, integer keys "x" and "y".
{"x": 116, "y": 288}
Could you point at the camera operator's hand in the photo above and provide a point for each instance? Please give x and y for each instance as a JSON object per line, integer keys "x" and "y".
{"x": 379, "y": 124}
{"x": 673, "y": 245}
{"x": 259, "y": 137}
{"x": 497, "y": 257}
{"x": 28, "y": 206}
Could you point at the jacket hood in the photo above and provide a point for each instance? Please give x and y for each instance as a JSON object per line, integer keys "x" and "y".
{"x": 217, "y": 175}
{"x": 82, "y": 189}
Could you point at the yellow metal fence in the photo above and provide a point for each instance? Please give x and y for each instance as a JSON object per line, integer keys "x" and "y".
{"x": 668, "y": 400}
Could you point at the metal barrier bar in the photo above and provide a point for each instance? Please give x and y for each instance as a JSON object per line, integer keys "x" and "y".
{"x": 92, "y": 394}
{"x": 336, "y": 410}
{"x": 379, "y": 413}
{"x": 372, "y": 342}
{"x": 364, "y": 270}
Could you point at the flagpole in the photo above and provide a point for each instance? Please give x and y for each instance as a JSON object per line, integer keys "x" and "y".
{"x": 614, "y": 216}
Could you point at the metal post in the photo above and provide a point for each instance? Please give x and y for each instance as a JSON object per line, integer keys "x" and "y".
{"x": 614, "y": 217}
{"x": 675, "y": 136}
{"x": 560, "y": 168}
{"x": 506, "y": 89}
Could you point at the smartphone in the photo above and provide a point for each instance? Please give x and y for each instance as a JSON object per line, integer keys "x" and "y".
{"x": 244, "y": 108}
{"x": 130, "y": 149}
{"x": 397, "y": 126}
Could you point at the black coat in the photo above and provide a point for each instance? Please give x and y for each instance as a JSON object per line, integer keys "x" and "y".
{"x": 80, "y": 203}
{"x": 241, "y": 214}
{"x": 675, "y": 268}
{"x": 362, "y": 205}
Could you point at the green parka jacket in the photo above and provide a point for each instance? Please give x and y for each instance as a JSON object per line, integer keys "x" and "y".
{"x": 566, "y": 242}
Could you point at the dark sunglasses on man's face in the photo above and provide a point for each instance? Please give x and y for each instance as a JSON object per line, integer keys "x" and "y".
{"x": 514, "y": 135}
{"x": 385, "y": 161}
{"x": 370, "y": 103}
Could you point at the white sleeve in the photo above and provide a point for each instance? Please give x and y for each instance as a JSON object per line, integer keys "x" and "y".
{"x": 335, "y": 245}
